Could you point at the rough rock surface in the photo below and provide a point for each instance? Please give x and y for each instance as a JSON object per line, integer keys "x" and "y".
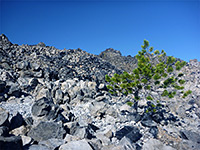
{"x": 57, "y": 99}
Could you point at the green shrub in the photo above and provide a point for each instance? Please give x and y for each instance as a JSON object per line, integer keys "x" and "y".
{"x": 148, "y": 77}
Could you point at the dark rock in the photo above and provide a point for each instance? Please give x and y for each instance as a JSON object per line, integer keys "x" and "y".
{"x": 134, "y": 135}
{"x": 130, "y": 132}
{"x": 147, "y": 121}
{"x": 158, "y": 117}
{"x": 2, "y": 86}
{"x": 11, "y": 143}
{"x": 47, "y": 130}
{"x": 4, "y": 131}
{"x": 14, "y": 89}
{"x": 5, "y": 44}
{"x": 34, "y": 82}
{"x": 2, "y": 98}
{"x": 192, "y": 101}
{"x": 41, "y": 107}
{"x": 16, "y": 121}
{"x": 66, "y": 73}
{"x": 41, "y": 44}
{"x": 45, "y": 107}
{"x": 86, "y": 132}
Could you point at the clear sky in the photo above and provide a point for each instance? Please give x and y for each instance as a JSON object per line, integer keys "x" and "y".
{"x": 172, "y": 25}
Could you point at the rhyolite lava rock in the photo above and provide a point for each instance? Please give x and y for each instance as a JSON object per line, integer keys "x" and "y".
{"x": 53, "y": 99}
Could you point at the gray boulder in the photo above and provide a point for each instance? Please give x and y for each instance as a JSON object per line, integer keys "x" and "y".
{"x": 52, "y": 143}
{"x": 47, "y": 130}
{"x": 132, "y": 133}
{"x": 4, "y": 117}
{"x": 76, "y": 145}
{"x": 154, "y": 144}
{"x": 45, "y": 107}
{"x": 38, "y": 147}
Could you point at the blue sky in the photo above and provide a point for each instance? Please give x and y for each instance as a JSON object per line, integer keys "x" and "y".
{"x": 96, "y": 25}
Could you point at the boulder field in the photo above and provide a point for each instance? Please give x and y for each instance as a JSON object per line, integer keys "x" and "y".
{"x": 53, "y": 99}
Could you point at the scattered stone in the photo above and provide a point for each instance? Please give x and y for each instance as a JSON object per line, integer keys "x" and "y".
{"x": 58, "y": 99}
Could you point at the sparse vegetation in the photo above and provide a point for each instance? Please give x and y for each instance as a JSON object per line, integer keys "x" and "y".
{"x": 148, "y": 77}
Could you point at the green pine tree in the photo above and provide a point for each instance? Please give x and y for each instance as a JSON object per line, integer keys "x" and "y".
{"x": 149, "y": 77}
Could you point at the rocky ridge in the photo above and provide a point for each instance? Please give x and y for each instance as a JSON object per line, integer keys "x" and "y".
{"x": 54, "y": 99}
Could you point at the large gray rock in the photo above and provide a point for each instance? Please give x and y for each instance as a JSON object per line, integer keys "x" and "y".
{"x": 47, "y": 130}
{"x": 154, "y": 144}
{"x": 52, "y": 143}
{"x": 4, "y": 117}
{"x": 132, "y": 133}
{"x": 190, "y": 135}
{"x": 76, "y": 145}
{"x": 38, "y": 147}
{"x": 45, "y": 107}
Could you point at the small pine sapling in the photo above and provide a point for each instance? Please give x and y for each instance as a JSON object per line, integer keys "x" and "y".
{"x": 148, "y": 77}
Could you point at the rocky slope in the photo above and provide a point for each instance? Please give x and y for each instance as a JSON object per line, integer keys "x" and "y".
{"x": 54, "y": 99}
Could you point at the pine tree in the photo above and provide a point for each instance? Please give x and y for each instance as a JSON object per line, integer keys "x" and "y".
{"x": 149, "y": 76}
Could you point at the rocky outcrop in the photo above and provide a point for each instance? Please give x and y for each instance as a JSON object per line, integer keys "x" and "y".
{"x": 54, "y": 99}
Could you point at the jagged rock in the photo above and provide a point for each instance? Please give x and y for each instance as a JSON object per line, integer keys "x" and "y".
{"x": 154, "y": 131}
{"x": 45, "y": 107}
{"x": 14, "y": 89}
{"x": 76, "y": 145}
{"x": 22, "y": 130}
{"x": 38, "y": 147}
{"x": 4, "y": 117}
{"x": 154, "y": 144}
{"x": 10, "y": 143}
{"x": 59, "y": 97}
{"x": 52, "y": 143}
{"x": 4, "y": 131}
{"x": 2, "y": 86}
{"x": 4, "y": 42}
{"x": 22, "y": 65}
{"x": 47, "y": 130}
{"x": 26, "y": 140}
{"x": 147, "y": 121}
{"x": 49, "y": 93}
{"x": 132, "y": 133}
{"x": 192, "y": 136}
{"x": 16, "y": 121}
